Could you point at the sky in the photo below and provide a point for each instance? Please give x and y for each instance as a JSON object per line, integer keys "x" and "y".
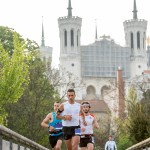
{"x": 25, "y": 17}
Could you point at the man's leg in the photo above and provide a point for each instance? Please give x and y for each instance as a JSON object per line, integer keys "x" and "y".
{"x": 75, "y": 142}
{"x": 82, "y": 144}
{"x": 52, "y": 141}
{"x": 68, "y": 144}
{"x": 90, "y": 146}
{"x": 58, "y": 145}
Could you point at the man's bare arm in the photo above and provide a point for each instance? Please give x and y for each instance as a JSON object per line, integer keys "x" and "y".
{"x": 64, "y": 117}
{"x": 95, "y": 123}
{"x": 83, "y": 116}
{"x": 59, "y": 111}
{"x": 44, "y": 123}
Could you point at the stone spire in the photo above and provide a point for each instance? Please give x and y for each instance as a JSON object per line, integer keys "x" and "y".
{"x": 95, "y": 30}
{"x": 135, "y": 11}
{"x": 42, "y": 40}
{"x": 69, "y": 9}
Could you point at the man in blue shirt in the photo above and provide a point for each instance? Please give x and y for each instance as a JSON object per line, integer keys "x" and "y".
{"x": 55, "y": 128}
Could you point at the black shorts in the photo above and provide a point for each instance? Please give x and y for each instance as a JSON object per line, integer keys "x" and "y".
{"x": 69, "y": 132}
{"x": 84, "y": 140}
{"x": 53, "y": 140}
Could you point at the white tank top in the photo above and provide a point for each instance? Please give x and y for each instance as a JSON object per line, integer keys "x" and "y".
{"x": 89, "y": 127}
{"x": 74, "y": 110}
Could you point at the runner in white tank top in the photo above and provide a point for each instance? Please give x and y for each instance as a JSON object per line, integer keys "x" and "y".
{"x": 87, "y": 137}
{"x": 69, "y": 113}
{"x": 73, "y": 110}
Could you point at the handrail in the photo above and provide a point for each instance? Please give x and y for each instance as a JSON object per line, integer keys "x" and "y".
{"x": 142, "y": 144}
{"x": 20, "y": 139}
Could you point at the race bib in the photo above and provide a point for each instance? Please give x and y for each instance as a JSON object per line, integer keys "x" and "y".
{"x": 58, "y": 126}
{"x": 77, "y": 131}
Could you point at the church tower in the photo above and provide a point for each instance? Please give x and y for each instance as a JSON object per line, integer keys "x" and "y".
{"x": 70, "y": 33}
{"x": 135, "y": 37}
{"x": 45, "y": 51}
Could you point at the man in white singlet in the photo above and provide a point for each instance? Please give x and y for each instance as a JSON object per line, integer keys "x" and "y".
{"x": 69, "y": 112}
{"x": 87, "y": 136}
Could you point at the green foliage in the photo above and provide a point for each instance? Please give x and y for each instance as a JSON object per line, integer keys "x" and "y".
{"x": 139, "y": 124}
{"x": 146, "y": 101}
{"x": 124, "y": 142}
{"x": 13, "y": 73}
{"x": 101, "y": 134}
{"x": 36, "y": 102}
{"x": 6, "y": 38}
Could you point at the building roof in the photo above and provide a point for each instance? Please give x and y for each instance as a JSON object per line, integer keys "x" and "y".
{"x": 147, "y": 71}
{"x": 98, "y": 106}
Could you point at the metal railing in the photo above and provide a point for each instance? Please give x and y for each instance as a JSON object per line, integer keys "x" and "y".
{"x": 10, "y": 139}
{"x": 144, "y": 145}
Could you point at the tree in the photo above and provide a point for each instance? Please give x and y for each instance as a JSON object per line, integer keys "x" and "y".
{"x": 123, "y": 136}
{"x": 13, "y": 74}
{"x": 6, "y": 38}
{"x": 35, "y": 103}
{"x": 139, "y": 124}
{"x": 146, "y": 101}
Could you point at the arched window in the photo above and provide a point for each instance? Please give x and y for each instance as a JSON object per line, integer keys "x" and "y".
{"x": 78, "y": 33}
{"x": 105, "y": 90}
{"x": 138, "y": 40}
{"x": 72, "y": 38}
{"x": 77, "y": 40}
{"x": 65, "y": 38}
{"x": 90, "y": 93}
{"x": 90, "y": 90}
{"x": 132, "y": 41}
{"x": 143, "y": 40}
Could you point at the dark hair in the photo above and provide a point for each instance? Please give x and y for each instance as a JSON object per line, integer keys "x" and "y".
{"x": 56, "y": 102}
{"x": 71, "y": 90}
{"x": 86, "y": 103}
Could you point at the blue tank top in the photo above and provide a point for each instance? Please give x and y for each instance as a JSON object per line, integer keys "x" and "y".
{"x": 57, "y": 124}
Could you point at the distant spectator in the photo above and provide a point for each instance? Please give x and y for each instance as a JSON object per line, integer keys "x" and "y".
{"x": 110, "y": 144}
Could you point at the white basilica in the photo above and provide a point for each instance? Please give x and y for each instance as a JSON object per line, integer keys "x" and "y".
{"x": 96, "y": 66}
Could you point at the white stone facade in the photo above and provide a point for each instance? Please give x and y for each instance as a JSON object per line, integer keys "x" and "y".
{"x": 136, "y": 28}
{"x": 94, "y": 67}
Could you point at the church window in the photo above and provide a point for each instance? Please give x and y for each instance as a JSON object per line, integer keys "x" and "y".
{"x": 72, "y": 38}
{"x": 78, "y": 38}
{"x": 72, "y": 85}
{"x": 91, "y": 92}
{"x": 143, "y": 40}
{"x": 138, "y": 40}
{"x": 65, "y": 37}
{"x": 105, "y": 90}
{"x": 132, "y": 41}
